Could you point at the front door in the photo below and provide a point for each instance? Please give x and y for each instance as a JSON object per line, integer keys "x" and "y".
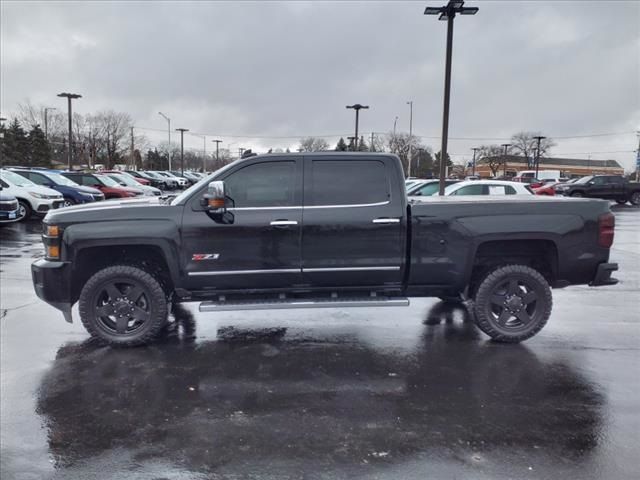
{"x": 258, "y": 245}
{"x": 352, "y": 230}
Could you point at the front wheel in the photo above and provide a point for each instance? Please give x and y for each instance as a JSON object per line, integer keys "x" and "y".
{"x": 512, "y": 303}
{"x": 577, "y": 194}
{"x": 24, "y": 210}
{"x": 620, "y": 201}
{"x": 68, "y": 202}
{"x": 123, "y": 305}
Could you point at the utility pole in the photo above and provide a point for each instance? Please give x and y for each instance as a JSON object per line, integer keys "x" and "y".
{"x": 504, "y": 165}
{"x": 204, "y": 159}
{"x": 410, "y": 103}
{"x": 46, "y": 127}
{"x": 217, "y": 142}
{"x": 133, "y": 149}
{"x": 181, "y": 130}
{"x": 69, "y": 97}
{"x": 538, "y": 138}
{"x": 638, "y": 157}
{"x": 473, "y": 165}
{"x": 240, "y": 150}
{"x": 448, "y": 13}
{"x": 357, "y": 107}
{"x": 169, "y": 133}
{"x": 371, "y": 149}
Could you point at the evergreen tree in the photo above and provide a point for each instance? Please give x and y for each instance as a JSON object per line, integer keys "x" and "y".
{"x": 362, "y": 146}
{"x": 436, "y": 163}
{"x": 287, "y": 150}
{"x": 351, "y": 147}
{"x": 39, "y": 148}
{"x": 341, "y": 146}
{"x": 15, "y": 145}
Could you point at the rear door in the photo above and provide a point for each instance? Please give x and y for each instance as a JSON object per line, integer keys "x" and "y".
{"x": 353, "y": 229}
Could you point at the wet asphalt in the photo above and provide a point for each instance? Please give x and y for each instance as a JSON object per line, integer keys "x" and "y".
{"x": 389, "y": 393}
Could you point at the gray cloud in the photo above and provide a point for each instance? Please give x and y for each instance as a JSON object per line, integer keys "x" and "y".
{"x": 279, "y": 69}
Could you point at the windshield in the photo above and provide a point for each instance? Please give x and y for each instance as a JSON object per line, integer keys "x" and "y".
{"x": 15, "y": 179}
{"x": 109, "y": 182}
{"x": 583, "y": 180}
{"x": 60, "y": 180}
{"x": 118, "y": 177}
{"x": 196, "y": 186}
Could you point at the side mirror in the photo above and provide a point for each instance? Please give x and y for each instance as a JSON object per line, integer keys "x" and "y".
{"x": 214, "y": 199}
{"x": 591, "y": 183}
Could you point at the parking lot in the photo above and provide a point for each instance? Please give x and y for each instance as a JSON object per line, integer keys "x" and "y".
{"x": 413, "y": 392}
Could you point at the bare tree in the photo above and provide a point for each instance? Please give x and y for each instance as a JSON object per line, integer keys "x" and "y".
{"x": 313, "y": 144}
{"x": 524, "y": 143}
{"x": 492, "y": 156}
{"x": 400, "y": 143}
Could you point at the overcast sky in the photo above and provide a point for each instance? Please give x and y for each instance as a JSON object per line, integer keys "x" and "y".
{"x": 289, "y": 68}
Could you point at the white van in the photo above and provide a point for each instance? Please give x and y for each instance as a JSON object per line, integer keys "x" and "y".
{"x": 542, "y": 174}
{"x": 32, "y": 198}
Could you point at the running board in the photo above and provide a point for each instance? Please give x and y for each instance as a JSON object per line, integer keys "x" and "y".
{"x": 222, "y": 306}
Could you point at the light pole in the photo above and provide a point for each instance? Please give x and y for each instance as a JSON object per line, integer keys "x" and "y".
{"x": 410, "y": 103}
{"x": 538, "y": 138}
{"x": 181, "y": 130}
{"x": 169, "y": 134}
{"x": 46, "y": 127}
{"x": 352, "y": 142}
{"x": 357, "y": 107}
{"x": 394, "y": 126}
{"x": 504, "y": 167}
{"x": 217, "y": 142}
{"x": 69, "y": 97}
{"x": 448, "y": 13}
{"x": 473, "y": 165}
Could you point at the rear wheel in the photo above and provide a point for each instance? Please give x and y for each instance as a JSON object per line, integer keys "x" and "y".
{"x": 620, "y": 201}
{"x": 24, "y": 210}
{"x": 577, "y": 194}
{"x": 635, "y": 198}
{"x": 512, "y": 303}
{"x": 123, "y": 305}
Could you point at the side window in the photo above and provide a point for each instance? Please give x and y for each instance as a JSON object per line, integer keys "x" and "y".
{"x": 471, "y": 190}
{"x": 37, "y": 178}
{"x": 268, "y": 184}
{"x": 510, "y": 190}
{"x": 616, "y": 180}
{"x": 428, "y": 189}
{"x": 4, "y": 185}
{"x": 497, "y": 190}
{"x": 88, "y": 181}
{"x": 347, "y": 182}
{"x": 599, "y": 180}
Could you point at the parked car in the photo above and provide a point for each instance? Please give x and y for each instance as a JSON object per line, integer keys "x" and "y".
{"x": 265, "y": 225}
{"x": 561, "y": 187}
{"x": 72, "y": 193}
{"x": 164, "y": 183}
{"x": 189, "y": 176}
{"x": 179, "y": 181}
{"x": 488, "y": 187}
{"x": 145, "y": 179}
{"x": 531, "y": 181}
{"x": 554, "y": 175}
{"x": 8, "y": 208}
{"x": 127, "y": 181}
{"x": 32, "y": 199}
{"x": 108, "y": 186}
{"x": 548, "y": 189}
{"x": 428, "y": 187}
{"x": 608, "y": 187}
{"x": 472, "y": 177}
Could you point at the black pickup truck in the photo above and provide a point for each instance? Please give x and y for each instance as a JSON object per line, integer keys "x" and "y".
{"x": 607, "y": 187}
{"x": 318, "y": 230}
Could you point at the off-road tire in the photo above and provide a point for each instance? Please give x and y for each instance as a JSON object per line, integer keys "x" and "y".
{"x": 154, "y": 295}
{"x": 621, "y": 201}
{"x": 484, "y": 303}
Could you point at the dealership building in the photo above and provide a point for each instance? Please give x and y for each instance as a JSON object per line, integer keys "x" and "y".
{"x": 570, "y": 167}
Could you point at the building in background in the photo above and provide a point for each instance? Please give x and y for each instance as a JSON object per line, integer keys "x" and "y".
{"x": 570, "y": 167}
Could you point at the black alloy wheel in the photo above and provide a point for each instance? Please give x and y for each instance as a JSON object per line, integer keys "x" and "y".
{"x": 123, "y": 305}
{"x": 635, "y": 198}
{"x": 513, "y": 303}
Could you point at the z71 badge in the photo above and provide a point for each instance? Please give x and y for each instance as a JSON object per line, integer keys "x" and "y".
{"x": 196, "y": 257}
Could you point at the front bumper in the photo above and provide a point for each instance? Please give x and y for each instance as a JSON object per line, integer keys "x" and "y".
{"x": 52, "y": 283}
{"x": 603, "y": 275}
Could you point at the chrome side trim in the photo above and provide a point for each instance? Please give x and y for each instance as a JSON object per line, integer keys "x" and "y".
{"x": 348, "y": 269}
{"x": 233, "y": 209}
{"x": 288, "y": 304}
{"x": 278, "y": 223}
{"x": 355, "y": 205}
{"x": 244, "y": 272}
{"x": 386, "y": 220}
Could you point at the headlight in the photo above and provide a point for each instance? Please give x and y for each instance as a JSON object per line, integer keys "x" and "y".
{"x": 37, "y": 195}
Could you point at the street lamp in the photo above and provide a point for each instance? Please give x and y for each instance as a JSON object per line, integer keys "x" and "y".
{"x": 394, "y": 126}
{"x": 169, "y": 134}
{"x": 410, "y": 103}
{"x": 538, "y": 138}
{"x": 181, "y": 130}
{"x": 46, "y": 128}
{"x": 448, "y": 13}
{"x": 357, "y": 107}
{"x": 69, "y": 97}
{"x": 504, "y": 168}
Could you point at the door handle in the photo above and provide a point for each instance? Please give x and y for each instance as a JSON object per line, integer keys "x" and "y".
{"x": 386, "y": 220}
{"x": 283, "y": 223}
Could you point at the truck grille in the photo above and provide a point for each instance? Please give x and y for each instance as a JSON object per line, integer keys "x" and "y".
{"x": 9, "y": 206}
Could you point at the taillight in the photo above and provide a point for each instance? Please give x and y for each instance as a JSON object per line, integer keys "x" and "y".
{"x": 606, "y": 227}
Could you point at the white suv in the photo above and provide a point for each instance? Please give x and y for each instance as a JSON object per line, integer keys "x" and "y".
{"x": 32, "y": 198}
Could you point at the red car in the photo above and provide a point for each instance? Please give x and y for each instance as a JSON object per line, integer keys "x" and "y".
{"x": 140, "y": 180}
{"x": 104, "y": 183}
{"x": 546, "y": 189}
